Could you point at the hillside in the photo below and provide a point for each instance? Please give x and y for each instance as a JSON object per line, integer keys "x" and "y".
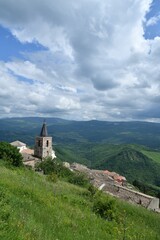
{"x": 134, "y": 162}
{"x": 98, "y": 144}
{"x": 154, "y": 155}
{"x": 124, "y": 159}
{"x": 34, "y": 208}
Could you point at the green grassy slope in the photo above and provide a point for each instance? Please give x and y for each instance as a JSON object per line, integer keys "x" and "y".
{"x": 154, "y": 155}
{"x": 33, "y": 208}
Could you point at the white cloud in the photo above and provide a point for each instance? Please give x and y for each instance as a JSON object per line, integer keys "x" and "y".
{"x": 7, "y": 109}
{"x": 67, "y": 104}
{"x": 153, "y": 20}
{"x": 97, "y": 63}
{"x": 27, "y": 70}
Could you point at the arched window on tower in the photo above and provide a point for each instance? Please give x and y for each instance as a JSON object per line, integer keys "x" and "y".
{"x": 39, "y": 143}
{"x": 47, "y": 143}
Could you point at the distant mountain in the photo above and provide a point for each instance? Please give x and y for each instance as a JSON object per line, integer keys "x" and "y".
{"x": 66, "y": 132}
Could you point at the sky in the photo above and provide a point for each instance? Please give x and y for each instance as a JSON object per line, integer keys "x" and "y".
{"x": 80, "y": 60}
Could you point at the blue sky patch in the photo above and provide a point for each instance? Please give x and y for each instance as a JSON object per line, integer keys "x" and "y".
{"x": 11, "y": 47}
{"x": 21, "y": 78}
{"x": 153, "y": 30}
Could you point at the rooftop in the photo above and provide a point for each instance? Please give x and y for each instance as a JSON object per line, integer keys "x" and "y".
{"x": 18, "y": 144}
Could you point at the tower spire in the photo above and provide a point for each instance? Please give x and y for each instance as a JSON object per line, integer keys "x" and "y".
{"x": 43, "y": 144}
{"x": 44, "y": 132}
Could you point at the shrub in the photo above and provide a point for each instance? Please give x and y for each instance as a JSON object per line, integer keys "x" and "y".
{"x": 49, "y": 166}
{"x": 10, "y": 154}
{"x": 92, "y": 190}
{"x": 104, "y": 206}
{"x": 79, "y": 179}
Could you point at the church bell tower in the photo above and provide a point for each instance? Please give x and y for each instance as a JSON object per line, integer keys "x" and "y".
{"x": 43, "y": 144}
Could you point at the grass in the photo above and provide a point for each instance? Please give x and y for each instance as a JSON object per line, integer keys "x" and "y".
{"x": 34, "y": 208}
{"x": 154, "y": 155}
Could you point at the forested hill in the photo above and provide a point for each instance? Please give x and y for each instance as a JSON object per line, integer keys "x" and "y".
{"x": 66, "y": 132}
{"x": 135, "y": 162}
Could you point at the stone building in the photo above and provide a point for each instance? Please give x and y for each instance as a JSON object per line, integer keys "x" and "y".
{"x": 43, "y": 144}
{"x": 19, "y": 145}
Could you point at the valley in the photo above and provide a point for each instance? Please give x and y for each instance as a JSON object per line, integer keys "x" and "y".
{"x": 129, "y": 148}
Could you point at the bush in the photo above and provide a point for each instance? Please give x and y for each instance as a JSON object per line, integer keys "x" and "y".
{"x": 92, "y": 190}
{"x": 147, "y": 188}
{"x": 79, "y": 179}
{"x": 10, "y": 154}
{"x": 49, "y": 166}
{"x": 104, "y": 206}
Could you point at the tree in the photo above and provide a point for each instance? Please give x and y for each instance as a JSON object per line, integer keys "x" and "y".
{"x": 10, "y": 154}
{"x": 49, "y": 166}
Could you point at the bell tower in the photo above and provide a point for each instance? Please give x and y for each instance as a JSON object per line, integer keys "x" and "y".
{"x": 43, "y": 144}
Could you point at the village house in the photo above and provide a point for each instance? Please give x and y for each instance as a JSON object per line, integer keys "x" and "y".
{"x": 20, "y": 145}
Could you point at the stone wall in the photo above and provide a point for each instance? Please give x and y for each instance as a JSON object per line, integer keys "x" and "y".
{"x": 132, "y": 196}
{"x": 43, "y": 147}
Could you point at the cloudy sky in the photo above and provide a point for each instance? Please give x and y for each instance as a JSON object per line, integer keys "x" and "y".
{"x": 82, "y": 60}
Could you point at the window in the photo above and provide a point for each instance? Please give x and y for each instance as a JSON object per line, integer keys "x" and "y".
{"x": 39, "y": 143}
{"x": 47, "y": 143}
